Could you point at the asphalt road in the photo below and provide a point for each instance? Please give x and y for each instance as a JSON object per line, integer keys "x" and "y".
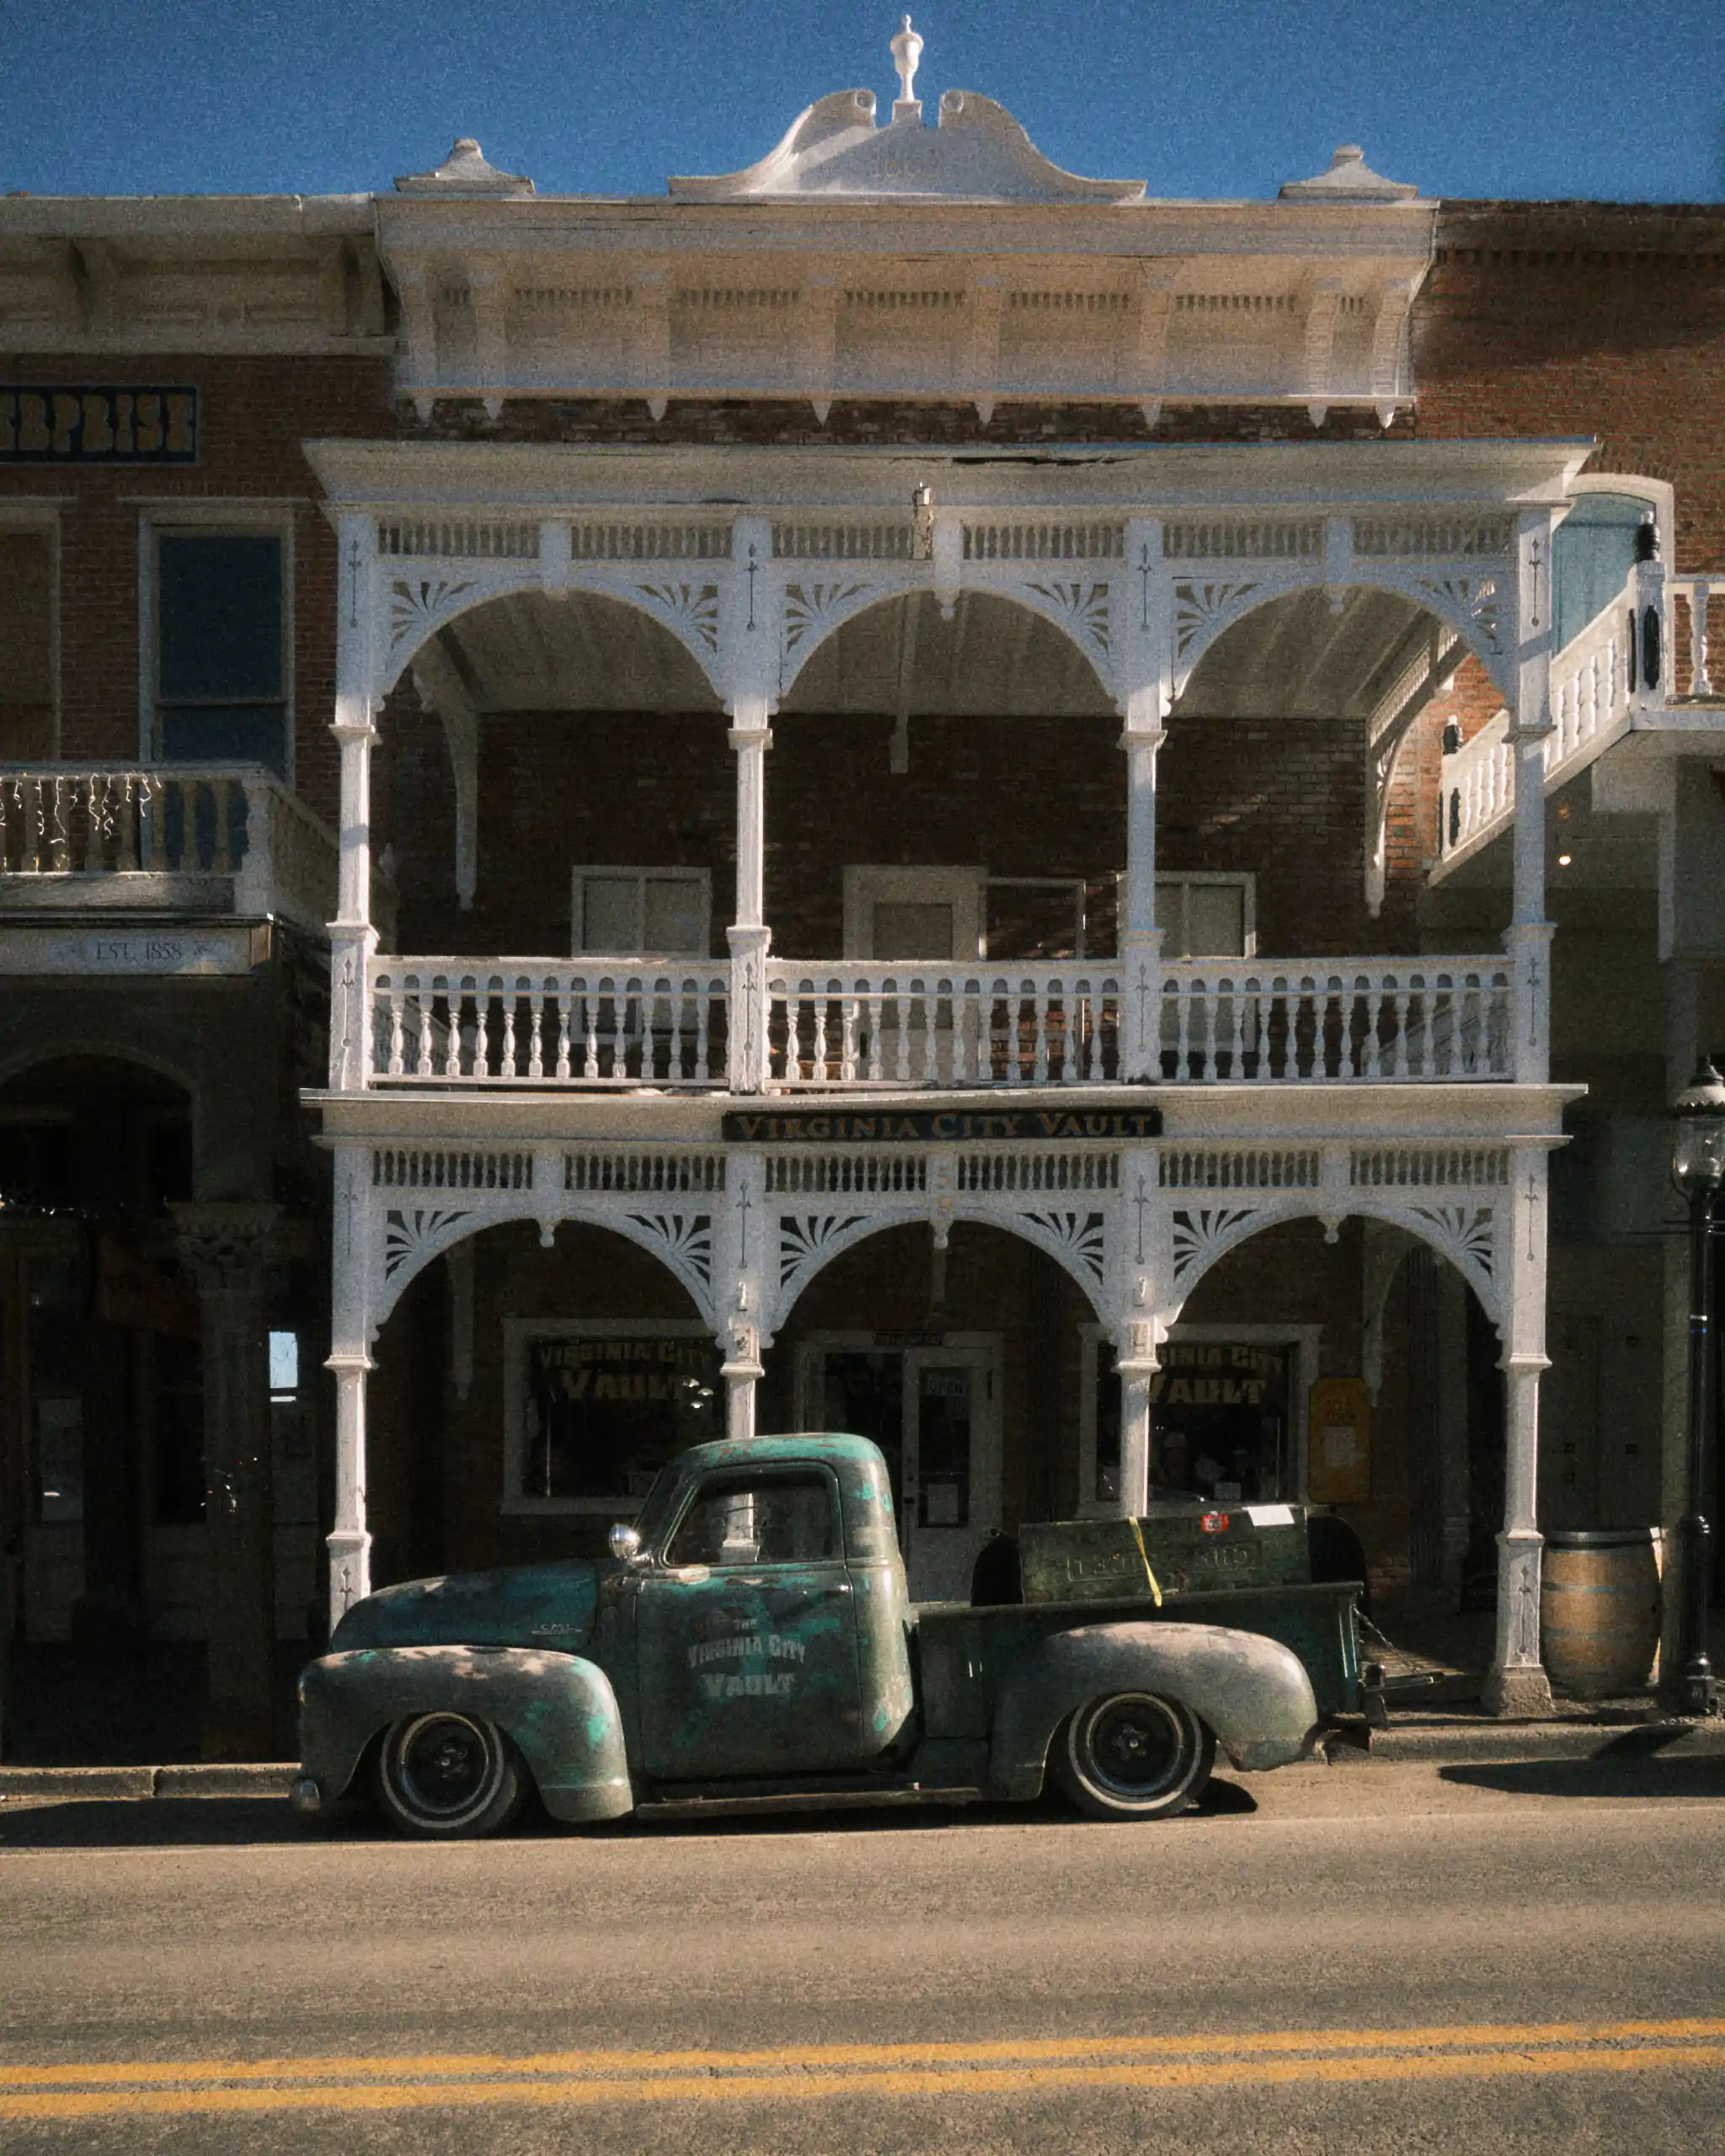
{"x": 1362, "y": 1958}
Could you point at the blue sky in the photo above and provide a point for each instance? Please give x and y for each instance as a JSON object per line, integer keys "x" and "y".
{"x": 1606, "y": 99}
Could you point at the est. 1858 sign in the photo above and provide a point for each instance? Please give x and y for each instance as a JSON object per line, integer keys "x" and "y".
{"x": 938, "y": 1126}
{"x": 68, "y": 424}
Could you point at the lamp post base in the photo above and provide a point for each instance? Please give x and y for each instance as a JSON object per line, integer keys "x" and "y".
{"x": 1691, "y": 1695}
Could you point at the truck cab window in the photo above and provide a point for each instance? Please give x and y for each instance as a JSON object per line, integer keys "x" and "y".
{"x": 784, "y": 1520}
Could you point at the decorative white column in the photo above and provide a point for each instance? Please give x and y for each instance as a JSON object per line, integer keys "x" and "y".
{"x": 1141, "y": 936}
{"x": 1516, "y": 1683}
{"x": 1136, "y": 1367}
{"x": 1141, "y": 635}
{"x": 352, "y": 938}
{"x": 743, "y": 1256}
{"x": 1530, "y": 937}
{"x": 1140, "y": 1269}
{"x": 751, "y": 648}
{"x": 350, "y": 1542}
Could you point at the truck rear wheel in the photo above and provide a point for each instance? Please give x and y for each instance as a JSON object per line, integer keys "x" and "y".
{"x": 1133, "y": 1755}
{"x": 450, "y": 1776}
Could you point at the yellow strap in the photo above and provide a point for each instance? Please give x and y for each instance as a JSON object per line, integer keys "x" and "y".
{"x": 1156, "y": 1593}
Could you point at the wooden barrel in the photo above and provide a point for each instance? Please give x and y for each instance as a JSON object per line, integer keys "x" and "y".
{"x": 1599, "y": 1609}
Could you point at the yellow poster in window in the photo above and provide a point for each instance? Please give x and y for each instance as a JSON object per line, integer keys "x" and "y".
{"x": 1338, "y": 1468}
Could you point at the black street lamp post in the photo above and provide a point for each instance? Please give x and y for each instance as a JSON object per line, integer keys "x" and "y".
{"x": 1697, "y": 1169}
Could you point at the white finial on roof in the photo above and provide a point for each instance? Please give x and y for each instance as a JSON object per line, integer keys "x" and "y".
{"x": 466, "y": 170}
{"x": 906, "y": 49}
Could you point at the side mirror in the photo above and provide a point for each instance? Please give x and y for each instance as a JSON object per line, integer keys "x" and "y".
{"x": 626, "y": 1543}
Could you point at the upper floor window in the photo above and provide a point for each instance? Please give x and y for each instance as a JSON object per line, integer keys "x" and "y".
{"x": 1206, "y": 915}
{"x": 220, "y": 683}
{"x": 26, "y": 644}
{"x": 661, "y": 913}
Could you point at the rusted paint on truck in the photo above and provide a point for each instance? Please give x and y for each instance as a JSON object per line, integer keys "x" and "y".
{"x": 758, "y": 1646}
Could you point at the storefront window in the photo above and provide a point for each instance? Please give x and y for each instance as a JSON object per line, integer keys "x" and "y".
{"x": 1221, "y": 1421}
{"x": 595, "y": 1412}
{"x": 1223, "y": 1426}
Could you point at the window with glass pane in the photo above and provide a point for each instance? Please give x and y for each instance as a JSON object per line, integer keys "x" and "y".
{"x": 759, "y": 1520}
{"x": 1203, "y": 916}
{"x": 646, "y": 912}
{"x": 26, "y": 645}
{"x": 601, "y": 1415}
{"x": 912, "y": 931}
{"x": 944, "y": 1421}
{"x": 221, "y": 687}
{"x": 1591, "y": 558}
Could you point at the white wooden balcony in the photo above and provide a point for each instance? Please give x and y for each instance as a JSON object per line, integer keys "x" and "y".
{"x": 1613, "y": 677}
{"x": 631, "y": 1023}
{"x": 182, "y": 839}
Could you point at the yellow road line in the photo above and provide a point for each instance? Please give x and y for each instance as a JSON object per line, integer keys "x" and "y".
{"x": 778, "y": 2087}
{"x": 469, "y": 2063}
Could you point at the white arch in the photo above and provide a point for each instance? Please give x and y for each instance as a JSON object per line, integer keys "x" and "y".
{"x": 1460, "y": 1225}
{"x": 817, "y": 607}
{"x": 408, "y": 1238}
{"x": 825, "y": 1236}
{"x": 1474, "y": 600}
{"x": 685, "y": 601}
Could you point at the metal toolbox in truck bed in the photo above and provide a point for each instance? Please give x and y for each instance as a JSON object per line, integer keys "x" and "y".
{"x": 1194, "y": 1547}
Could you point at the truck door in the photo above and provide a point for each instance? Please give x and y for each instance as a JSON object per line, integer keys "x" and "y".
{"x": 745, "y": 1634}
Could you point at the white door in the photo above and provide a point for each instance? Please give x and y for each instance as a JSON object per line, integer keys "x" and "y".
{"x": 934, "y": 1414}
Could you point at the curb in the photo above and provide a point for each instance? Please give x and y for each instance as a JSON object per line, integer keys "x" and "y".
{"x": 1481, "y": 1744}
{"x": 196, "y": 1779}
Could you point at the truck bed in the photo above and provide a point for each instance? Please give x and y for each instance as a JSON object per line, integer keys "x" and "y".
{"x": 965, "y": 1652}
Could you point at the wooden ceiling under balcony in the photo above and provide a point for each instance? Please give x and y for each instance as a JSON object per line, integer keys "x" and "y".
{"x": 1293, "y": 657}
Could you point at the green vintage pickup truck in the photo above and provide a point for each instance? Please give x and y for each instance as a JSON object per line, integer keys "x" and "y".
{"x": 752, "y": 1646}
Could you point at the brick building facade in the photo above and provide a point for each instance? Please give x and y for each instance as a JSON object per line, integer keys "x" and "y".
{"x": 751, "y": 627}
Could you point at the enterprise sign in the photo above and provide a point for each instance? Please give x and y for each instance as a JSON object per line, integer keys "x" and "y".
{"x": 940, "y": 1126}
{"x": 66, "y": 424}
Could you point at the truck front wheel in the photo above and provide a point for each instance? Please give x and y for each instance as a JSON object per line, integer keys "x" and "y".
{"x": 1133, "y": 1755}
{"x": 450, "y": 1776}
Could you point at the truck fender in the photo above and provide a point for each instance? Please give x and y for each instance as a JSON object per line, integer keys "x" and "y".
{"x": 1253, "y": 1692}
{"x": 558, "y": 1709}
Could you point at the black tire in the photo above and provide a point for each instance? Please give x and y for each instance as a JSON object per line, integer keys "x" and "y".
{"x": 1133, "y": 1755}
{"x": 450, "y": 1776}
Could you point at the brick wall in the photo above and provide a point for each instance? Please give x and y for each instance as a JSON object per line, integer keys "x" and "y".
{"x": 1587, "y": 318}
{"x": 255, "y": 414}
{"x": 1024, "y": 797}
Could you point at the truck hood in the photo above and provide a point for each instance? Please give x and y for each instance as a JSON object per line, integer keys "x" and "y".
{"x": 517, "y": 1606}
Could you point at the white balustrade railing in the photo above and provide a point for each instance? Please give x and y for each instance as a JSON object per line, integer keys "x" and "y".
{"x": 1592, "y": 696}
{"x": 1364, "y": 1021}
{"x": 1696, "y": 591}
{"x": 96, "y": 822}
{"x": 588, "y": 1022}
{"x": 905, "y": 1024}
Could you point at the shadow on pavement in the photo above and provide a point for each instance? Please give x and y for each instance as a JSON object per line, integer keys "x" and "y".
{"x": 233, "y": 1822}
{"x": 1615, "y": 1772}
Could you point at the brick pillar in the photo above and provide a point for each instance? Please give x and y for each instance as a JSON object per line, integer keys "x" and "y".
{"x": 225, "y": 1246}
